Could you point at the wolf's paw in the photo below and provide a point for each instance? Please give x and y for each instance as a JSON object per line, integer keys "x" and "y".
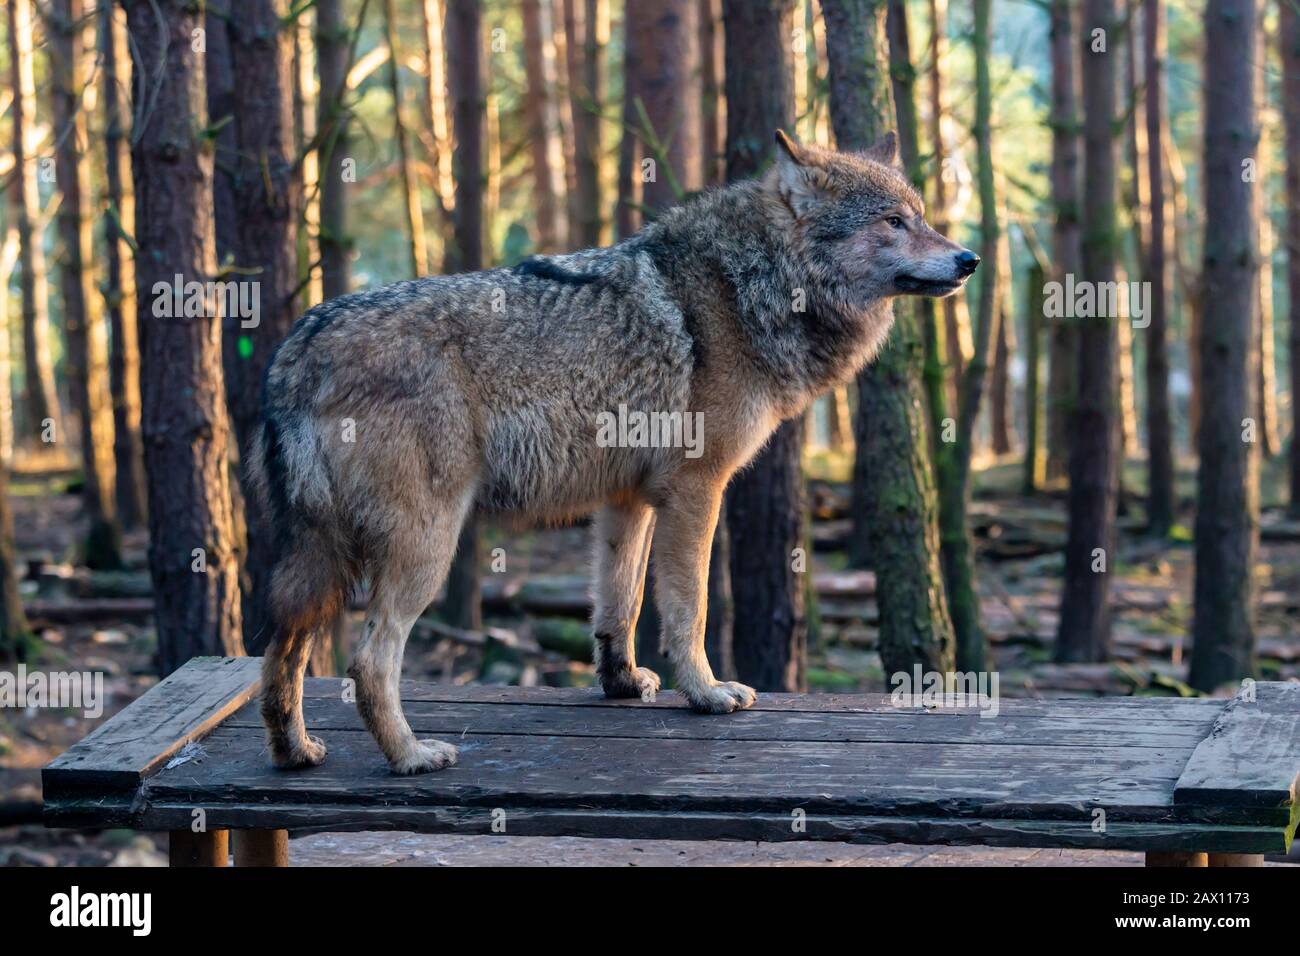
{"x": 426, "y": 756}
{"x": 310, "y": 753}
{"x": 632, "y": 682}
{"x": 723, "y": 698}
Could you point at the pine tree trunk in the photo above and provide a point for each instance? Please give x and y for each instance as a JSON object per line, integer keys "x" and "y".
{"x": 435, "y": 102}
{"x": 895, "y": 506}
{"x": 15, "y": 633}
{"x": 1032, "y": 473}
{"x": 1000, "y": 374}
{"x": 954, "y": 471}
{"x": 417, "y": 245}
{"x": 588, "y": 28}
{"x": 1067, "y": 239}
{"x": 712, "y": 158}
{"x": 1227, "y": 502}
{"x": 627, "y": 211}
{"x": 765, "y": 503}
{"x": 337, "y": 171}
{"x": 1266, "y": 364}
{"x": 191, "y": 550}
{"x": 951, "y": 340}
{"x": 119, "y": 264}
{"x": 666, "y": 99}
{"x": 463, "y": 605}
{"x": 40, "y": 398}
{"x": 543, "y": 126}
{"x": 83, "y": 320}
{"x": 1289, "y": 42}
{"x": 1160, "y": 442}
{"x": 1084, "y": 632}
{"x": 306, "y": 103}
{"x": 268, "y": 201}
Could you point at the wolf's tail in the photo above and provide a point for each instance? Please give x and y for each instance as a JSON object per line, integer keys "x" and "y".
{"x": 309, "y": 583}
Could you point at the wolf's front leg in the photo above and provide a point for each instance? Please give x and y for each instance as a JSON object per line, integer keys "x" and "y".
{"x": 683, "y": 540}
{"x": 621, "y": 538}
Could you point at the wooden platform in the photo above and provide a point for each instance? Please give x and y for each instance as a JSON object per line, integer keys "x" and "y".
{"x": 1161, "y": 775}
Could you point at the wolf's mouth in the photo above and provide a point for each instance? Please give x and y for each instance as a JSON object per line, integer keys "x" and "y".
{"x": 915, "y": 285}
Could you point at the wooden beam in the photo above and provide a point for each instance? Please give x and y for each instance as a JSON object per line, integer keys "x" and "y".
{"x": 209, "y": 848}
{"x": 261, "y": 848}
{"x": 1236, "y": 859}
{"x": 1160, "y": 858}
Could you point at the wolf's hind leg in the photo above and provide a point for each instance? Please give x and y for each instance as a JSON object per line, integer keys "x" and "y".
{"x": 621, "y": 539}
{"x": 307, "y": 595}
{"x": 417, "y": 558}
{"x": 684, "y": 539}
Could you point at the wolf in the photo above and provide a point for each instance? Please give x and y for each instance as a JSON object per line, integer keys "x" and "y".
{"x": 390, "y": 415}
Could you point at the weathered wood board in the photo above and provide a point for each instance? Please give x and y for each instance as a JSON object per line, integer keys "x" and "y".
{"x": 1160, "y": 774}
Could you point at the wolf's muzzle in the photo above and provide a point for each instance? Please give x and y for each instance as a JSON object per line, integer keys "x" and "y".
{"x": 967, "y": 262}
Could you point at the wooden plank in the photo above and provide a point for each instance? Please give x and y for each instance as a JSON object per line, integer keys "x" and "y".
{"x": 722, "y": 825}
{"x": 140, "y": 739}
{"x": 738, "y": 776}
{"x": 1131, "y": 729}
{"x": 1252, "y": 754}
{"x": 1158, "y": 709}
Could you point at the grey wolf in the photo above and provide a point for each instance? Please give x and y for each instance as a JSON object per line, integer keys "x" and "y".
{"x": 390, "y": 414}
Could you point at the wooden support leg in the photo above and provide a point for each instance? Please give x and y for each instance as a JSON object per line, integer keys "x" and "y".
{"x": 261, "y": 848}
{"x": 1155, "y": 858}
{"x": 1236, "y": 859}
{"x": 187, "y": 848}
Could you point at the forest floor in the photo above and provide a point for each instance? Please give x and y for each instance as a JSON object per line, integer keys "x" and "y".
{"x": 536, "y": 633}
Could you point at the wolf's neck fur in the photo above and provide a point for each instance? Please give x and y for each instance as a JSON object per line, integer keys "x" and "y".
{"x": 734, "y": 252}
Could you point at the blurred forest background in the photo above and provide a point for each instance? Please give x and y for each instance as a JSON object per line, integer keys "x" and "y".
{"x": 1091, "y": 505}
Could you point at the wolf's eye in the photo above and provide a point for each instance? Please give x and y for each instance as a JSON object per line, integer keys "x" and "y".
{"x": 895, "y": 221}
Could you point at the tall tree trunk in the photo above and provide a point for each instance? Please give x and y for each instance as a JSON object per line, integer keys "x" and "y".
{"x": 543, "y": 125}
{"x": 1227, "y": 501}
{"x": 895, "y": 506}
{"x": 1266, "y": 387}
{"x": 15, "y": 634}
{"x": 268, "y": 195}
{"x": 417, "y": 246}
{"x": 1035, "y": 294}
{"x": 950, "y": 341}
{"x": 14, "y": 629}
{"x": 83, "y": 320}
{"x": 1084, "y": 632}
{"x": 955, "y": 457}
{"x": 587, "y": 35}
{"x": 463, "y": 605}
{"x": 337, "y": 165}
{"x": 191, "y": 540}
{"x": 220, "y": 71}
{"x": 627, "y": 211}
{"x": 712, "y": 158}
{"x": 666, "y": 100}
{"x": 1289, "y": 40}
{"x": 1067, "y": 240}
{"x": 765, "y": 504}
{"x": 903, "y": 83}
{"x": 40, "y": 398}
{"x": 119, "y": 293}
{"x": 306, "y": 102}
{"x": 435, "y": 103}
{"x": 1000, "y": 375}
{"x": 1160, "y": 441}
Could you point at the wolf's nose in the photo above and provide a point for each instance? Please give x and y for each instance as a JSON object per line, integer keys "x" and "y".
{"x": 967, "y": 262}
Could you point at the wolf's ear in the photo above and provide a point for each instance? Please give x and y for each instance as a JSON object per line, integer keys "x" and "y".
{"x": 885, "y": 149}
{"x": 800, "y": 181}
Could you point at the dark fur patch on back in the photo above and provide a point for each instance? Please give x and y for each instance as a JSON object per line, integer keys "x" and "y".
{"x": 546, "y": 269}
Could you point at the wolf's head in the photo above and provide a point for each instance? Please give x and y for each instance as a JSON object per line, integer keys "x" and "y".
{"x": 858, "y": 217}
